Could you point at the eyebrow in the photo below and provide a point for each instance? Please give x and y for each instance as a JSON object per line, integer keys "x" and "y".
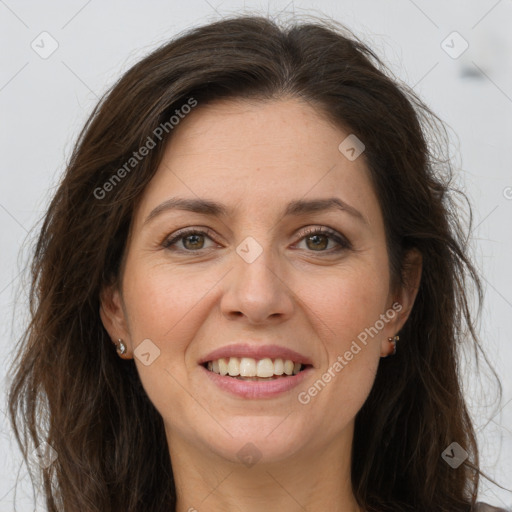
{"x": 215, "y": 209}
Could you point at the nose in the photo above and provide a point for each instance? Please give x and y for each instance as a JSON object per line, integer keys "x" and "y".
{"x": 257, "y": 291}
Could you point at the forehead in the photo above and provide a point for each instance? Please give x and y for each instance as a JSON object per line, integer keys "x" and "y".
{"x": 248, "y": 154}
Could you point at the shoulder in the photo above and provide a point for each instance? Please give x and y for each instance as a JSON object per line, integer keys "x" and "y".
{"x": 484, "y": 507}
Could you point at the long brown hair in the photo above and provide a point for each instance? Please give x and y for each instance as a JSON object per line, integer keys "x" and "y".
{"x": 71, "y": 390}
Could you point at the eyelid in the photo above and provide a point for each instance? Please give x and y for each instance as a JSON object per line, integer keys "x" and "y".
{"x": 170, "y": 240}
{"x": 341, "y": 240}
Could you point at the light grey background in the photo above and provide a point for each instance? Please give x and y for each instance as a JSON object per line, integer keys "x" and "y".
{"x": 45, "y": 101}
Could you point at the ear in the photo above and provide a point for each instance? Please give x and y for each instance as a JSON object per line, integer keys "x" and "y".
{"x": 411, "y": 277}
{"x": 403, "y": 299}
{"x": 113, "y": 317}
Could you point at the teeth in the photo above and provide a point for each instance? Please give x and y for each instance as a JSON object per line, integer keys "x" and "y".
{"x": 223, "y": 366}
{"x": 234, "y": 366}
{"x": 264, "y": 368}
{"x": 247, "y": 367}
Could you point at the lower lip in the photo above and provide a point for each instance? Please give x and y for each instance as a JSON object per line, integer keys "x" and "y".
{"x": 257, "y": 389}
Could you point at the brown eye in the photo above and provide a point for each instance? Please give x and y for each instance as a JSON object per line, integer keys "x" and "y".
{"x": 317, "y": 242}
{"x": 190, "y": 240}
{"x": 193, "y": 242}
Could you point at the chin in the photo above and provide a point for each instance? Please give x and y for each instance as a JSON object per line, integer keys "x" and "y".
{"x": 265, "y": 439}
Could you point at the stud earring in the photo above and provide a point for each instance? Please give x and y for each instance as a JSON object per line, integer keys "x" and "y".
{"x": 393, "y": 340}
{"x": 121, "y": 347}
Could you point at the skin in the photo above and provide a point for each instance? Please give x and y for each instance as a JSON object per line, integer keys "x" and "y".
{"x": 255, "y": 157}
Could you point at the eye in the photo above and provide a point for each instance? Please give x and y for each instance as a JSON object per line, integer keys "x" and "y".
{"x": 190, "y": 240}
{"x": 318, "y": 240}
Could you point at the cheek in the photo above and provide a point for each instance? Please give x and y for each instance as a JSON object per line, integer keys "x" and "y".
{"x": 347, "y": 302}
{"x": 164, "y": 307}
{"x": 344, "y": 309}
{"x": 161, "y": 299}
{"x": 343, "y": 313}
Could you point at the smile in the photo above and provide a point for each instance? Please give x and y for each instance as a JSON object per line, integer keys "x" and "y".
{"x": 248, "y": 368}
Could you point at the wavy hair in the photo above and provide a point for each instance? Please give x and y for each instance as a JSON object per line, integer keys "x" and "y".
{"x": 71, "y": 390}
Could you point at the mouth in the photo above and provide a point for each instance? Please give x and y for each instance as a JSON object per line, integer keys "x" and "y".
{"x": 250, "y": 369}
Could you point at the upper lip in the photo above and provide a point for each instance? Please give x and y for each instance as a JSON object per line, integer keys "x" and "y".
{"x": 256, "y": 352}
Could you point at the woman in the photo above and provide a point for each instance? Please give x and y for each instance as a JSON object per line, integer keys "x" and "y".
{"x": 256, "y": 219}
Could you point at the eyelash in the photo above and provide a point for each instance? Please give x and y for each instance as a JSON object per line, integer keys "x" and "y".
{"x": 343, "y": 243}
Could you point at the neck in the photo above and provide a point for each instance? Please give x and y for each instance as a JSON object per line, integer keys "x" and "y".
{"x": 315, "y": 479}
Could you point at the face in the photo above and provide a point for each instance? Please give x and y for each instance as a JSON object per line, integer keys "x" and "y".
{"x": 275, "y": 250}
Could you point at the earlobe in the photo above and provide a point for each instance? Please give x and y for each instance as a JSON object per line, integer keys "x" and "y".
{"x": 391, "y": 349}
